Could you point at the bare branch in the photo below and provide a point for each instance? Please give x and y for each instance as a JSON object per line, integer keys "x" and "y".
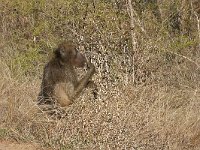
{"x": 133, "y": 36}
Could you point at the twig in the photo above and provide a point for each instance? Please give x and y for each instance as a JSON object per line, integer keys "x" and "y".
{"x": 133, "y": 36}
{"x": 189, "y": 59}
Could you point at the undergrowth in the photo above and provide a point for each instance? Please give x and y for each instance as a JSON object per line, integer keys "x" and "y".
{"x": 158, "y": 110}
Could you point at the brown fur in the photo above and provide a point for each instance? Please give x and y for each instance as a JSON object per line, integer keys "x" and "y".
{"x": 60, "y": 83}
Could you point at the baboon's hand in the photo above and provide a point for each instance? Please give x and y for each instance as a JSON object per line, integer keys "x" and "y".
{"x": 91, "y": 66}
{"x": 91, "y": 84}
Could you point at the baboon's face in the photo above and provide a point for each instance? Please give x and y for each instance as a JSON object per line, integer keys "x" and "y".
{"x": 68, "y": 53}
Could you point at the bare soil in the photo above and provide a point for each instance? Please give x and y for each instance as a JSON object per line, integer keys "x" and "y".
{"x": 8, "y": 145}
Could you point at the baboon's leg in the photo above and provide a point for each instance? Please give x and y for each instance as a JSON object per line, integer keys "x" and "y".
{"x": 61, "y": 95}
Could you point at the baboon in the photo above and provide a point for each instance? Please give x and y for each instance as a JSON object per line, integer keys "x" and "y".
{"x": 60, "y": 83}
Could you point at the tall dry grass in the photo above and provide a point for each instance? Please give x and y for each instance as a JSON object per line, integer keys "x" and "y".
{"x": 161, "y": 111}
{"x": 147, "y": 117}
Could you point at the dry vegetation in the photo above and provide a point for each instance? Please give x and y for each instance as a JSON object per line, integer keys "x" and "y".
{"x": 157, "y": 109}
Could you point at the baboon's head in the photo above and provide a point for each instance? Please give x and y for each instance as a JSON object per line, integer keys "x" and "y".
{"x": 68, "y": 53}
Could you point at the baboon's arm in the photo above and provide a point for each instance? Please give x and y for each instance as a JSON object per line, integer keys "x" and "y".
{"x": 83, "y": 82}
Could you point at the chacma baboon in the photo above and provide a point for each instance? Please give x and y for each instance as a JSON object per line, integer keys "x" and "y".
{"x": 60, "y": 83}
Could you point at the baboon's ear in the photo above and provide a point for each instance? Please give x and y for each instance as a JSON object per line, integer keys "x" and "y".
{"x": 57, "y": 53}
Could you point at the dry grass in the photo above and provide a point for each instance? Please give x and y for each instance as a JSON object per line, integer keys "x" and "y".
{"x": 162, "y": 111}
{"x": 146, "y": 117}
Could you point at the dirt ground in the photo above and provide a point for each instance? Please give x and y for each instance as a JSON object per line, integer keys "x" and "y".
{"x": 7, "y": 145}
